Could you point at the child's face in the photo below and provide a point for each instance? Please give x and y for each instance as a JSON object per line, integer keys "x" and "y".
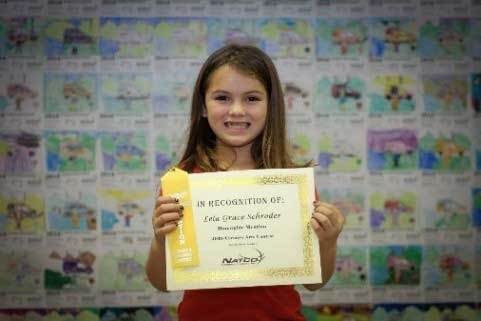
{"x": 236, "y": 107}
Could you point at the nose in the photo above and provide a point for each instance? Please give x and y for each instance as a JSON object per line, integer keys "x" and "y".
{"x": 236, "y": 109}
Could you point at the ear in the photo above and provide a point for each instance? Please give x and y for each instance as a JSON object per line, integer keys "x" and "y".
{"x": 204, "y": 111}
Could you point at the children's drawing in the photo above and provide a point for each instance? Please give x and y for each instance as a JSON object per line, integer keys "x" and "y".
{"x": 70, "y": 151}
{"x": 476, "y": 93}
{"x": 72, "y": 270}
{"x": 340, "y": 38}
{"x": 122, "y": 37}
{"x": 388, "y": 312}
{"x": 19, "y": 153}
{"x": 391, "y": 149}
{"x": 23, "y": 36}
{"x": 446, "y": 38}
{"x": 445, "y": 93}
{"x": 124, "y": 151}
{"x": 341, "y": 312}
{"x": 127, "y": 93}
{"x": 351, "y": 204}
{"x": 476, "y": 203}
{"x": 20, "y": 271}
{"x": 445, "y": 152}
{"x": 135, "y": 314}
{"x": 67, "y": 212}
{"x": 395, "y": 265}
{"x": 477, "y": 149}
{"x": 74, "y": 314}
{"x": 393, "y": 210}
{"x": 22, "y": 213}
{"x": 351, "y": 267}
{"x": 339, "y": 94}
{"x": 124, "y": 210}
{"x": 126, "y": 270}
{"x": 222, "y": 32}
{"x": 19, "y": 93}
{"x": 286, "y": 37}
{"x": 296, "y": 96}
{"x": 70, "y": 93}
{"x": 338, "y": 152}
{"x": 301, "y": 147}
{"x": 392, "y": 94}
{"x": 165, "y": 153}
{"x": 475, "y": 40}
{"x": 392, "y": 38}
{"x": 180, "y": 37}
{"x": 446, "y": 209}
{"x": 447, "y": 265}
{"x": 71, "y": 38}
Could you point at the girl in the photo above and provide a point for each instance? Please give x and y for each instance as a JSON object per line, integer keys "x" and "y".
{"x": 238, "y": 122}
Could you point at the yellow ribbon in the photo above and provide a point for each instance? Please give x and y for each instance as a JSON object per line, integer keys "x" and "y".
{"x": 182, "y": 242}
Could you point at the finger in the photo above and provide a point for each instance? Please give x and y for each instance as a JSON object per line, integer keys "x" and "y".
{"x": 165, "y": 219}
{"x": 332, "y": 212}
{"x": 165, "y": 208}
{"x": 165, "y": 229}
{"x": 165, "y": 200}
{"x": 323, "y": 221}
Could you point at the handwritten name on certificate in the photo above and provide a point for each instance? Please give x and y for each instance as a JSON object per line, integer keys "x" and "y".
{"x": 242, "y": 228}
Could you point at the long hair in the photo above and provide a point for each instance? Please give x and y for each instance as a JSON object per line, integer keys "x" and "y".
{"x": 270, "y": 148}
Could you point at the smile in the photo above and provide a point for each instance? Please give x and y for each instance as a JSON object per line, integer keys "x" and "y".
{"x": 237, "y": 125}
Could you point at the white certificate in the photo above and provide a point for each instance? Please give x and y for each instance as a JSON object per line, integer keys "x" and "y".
{"x": 243, "y": 228}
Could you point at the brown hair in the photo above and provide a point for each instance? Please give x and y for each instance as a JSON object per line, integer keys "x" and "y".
{"x": 270, "y": 148}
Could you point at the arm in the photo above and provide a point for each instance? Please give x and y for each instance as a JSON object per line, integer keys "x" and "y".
{"x": 327, "y": 222}
{"x": 164, "y": 220}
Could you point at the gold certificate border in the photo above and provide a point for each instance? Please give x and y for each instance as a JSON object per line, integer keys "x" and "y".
{"x": 183, "y": 276}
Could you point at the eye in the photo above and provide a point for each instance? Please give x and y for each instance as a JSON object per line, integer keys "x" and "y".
{"x": 253, "y": 98}
{"x": 221, "y": 98}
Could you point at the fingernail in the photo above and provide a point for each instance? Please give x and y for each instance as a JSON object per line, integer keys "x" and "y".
{"x": 176, "y": 199}
{"x": 181, "y": 207}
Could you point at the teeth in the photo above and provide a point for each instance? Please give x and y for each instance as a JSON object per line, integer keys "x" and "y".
{"x": 237, "y": 124}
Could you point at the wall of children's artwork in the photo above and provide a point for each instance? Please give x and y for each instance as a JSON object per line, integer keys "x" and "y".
{"x": 385, "y": 96}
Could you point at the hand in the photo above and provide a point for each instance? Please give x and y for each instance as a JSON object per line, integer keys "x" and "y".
{"x": 326, "y": 221}
{"x": 166, "y": 215}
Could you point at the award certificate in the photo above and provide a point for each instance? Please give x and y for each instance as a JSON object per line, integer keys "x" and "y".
{"x": 242, "y": 228}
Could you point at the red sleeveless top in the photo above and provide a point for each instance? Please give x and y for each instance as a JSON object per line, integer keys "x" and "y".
{"x": 261, "y": 303}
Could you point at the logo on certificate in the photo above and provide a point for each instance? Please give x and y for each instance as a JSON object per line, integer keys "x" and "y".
{"x": 242, "y": 260}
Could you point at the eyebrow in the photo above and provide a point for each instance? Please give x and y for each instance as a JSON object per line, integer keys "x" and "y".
{"x": 220, "y": 91}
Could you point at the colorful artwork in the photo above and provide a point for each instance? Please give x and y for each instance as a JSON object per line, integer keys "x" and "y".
{"x": 344, "y": 312}
{"x": 296, "y": 96}
{"x": 447, "y": 265}
{"x": 392, "y": 38}
{"x": 70, "y": 151}
{"x": 166, "y": 155}
{"x": 338, "y": 152}
{"x": 122, "y": 37}
{"x": 125, "y": 210}
{"x": 67, "y": 212}
{"x": 19, "y": 270}
{"x": 339, "y": 94}
{"x": 395, "y": 265}
{"x": 392, "y": 94}
{"x": 476, "y": 202}
{"x": 135, "y": 314}
{"x": 127, "y": 93}
{"x": 124, "y": 151}
{"x": 301, "y": 147}
{"x": 445, "y": 152}
{"x": 445, "y": 93}
{"x": 446, "y": 209}
{"x": 388, "y": 312}
{"x": 351, "y": 267}
{"x": 351, "y": 203}
{"x": 446, "y": 38}
{"x": 286, "y": 37}
{"x": 180, "y": 38}
{"x": 71, "y": 38}
{"x": 391, "y": 149}
{"x": 70, "y": 270}
{"x": 340, "y": 38}
{"x": 74, "y": 314}
{"x": 19, "y": 92}
{"x": 70, "y": 93}
{"x": 23, "y": 36}
{"x": 476, "y": 93}
{"x": 475, "y": 40}
{"x": 21, "y": 213}
{"x": 393, "y": 210}
{"x": 3, "y": 37}
{"x": 19, "y": 153}
{"x": 225, "y": 31}
{"x": 126, "y": 270}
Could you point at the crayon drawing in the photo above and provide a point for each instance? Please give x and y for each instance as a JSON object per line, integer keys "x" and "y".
{"x": 20, "y": 271}
{"x": 226, "y": 31}
{"x": 395, "y": 265}
{"x": 351, "y": 267}
{"x": 445, "y": 94}
{"x": 339, "y": 94}
{"x": 476, "y": 92}
{"x": 341, "y": 312}
{"x": 20, "y": 153}
{"x": 122, "y": 37}
{"x": 351, "y": 203}
{"x": 391, "y": 149}
{"x": 71, "y": 212}
{"x": 392, "y": 38}
{"x": 165, "y": 153}
{"x": 476, "y": 203}
{"x": 71, "y": 38}
{"x": 340, "y": 39}
{"x": 393, "y": 210}
{"x": 135, "y": 314}
{"x": 21, "y": 212}
{"x": 126, "y": 93}
{"x": 388, "y": 312}
{"x": 70, "y": 93}
{"x": 392, "y": 94}
{"x": 20, "y": 93}
{"x": 73, "y": 314}
{"x": 446, "y": 209}
{"x": 70, "y": 151}
{"x": 339, "y": 153}
{"x": 447, "y": 266}
{"x": 126, "y": 270}
{"x": 23, "y": 36}
{"x": 180, "y": 38}
{"x": 124, "y": 151}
